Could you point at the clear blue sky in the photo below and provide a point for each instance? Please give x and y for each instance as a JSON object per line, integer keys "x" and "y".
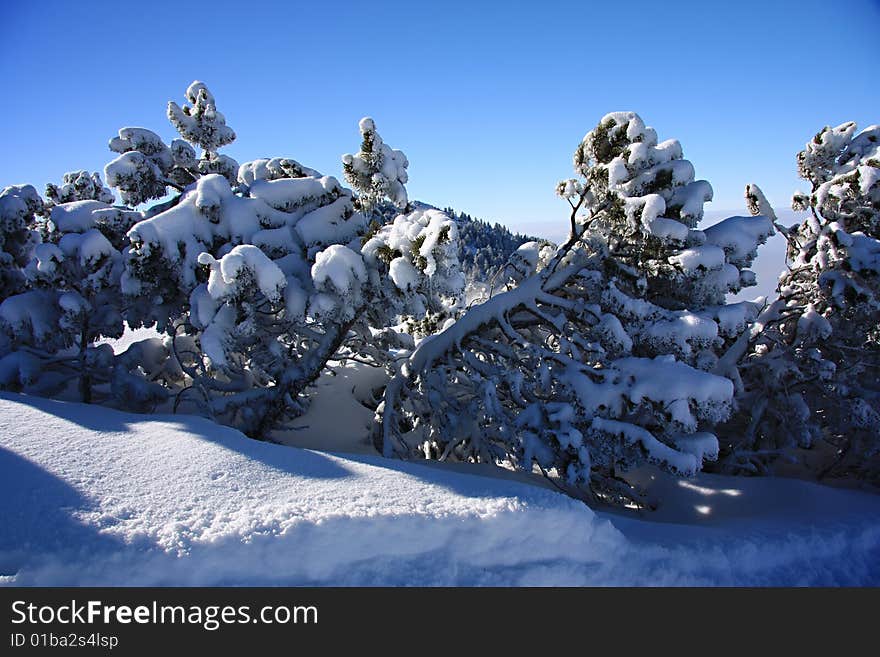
{"x": 487, "y": 99}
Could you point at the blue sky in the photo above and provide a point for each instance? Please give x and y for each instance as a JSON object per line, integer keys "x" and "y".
{"x": 487, "y": 99}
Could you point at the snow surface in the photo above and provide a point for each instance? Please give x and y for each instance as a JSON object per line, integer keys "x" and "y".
{"x": 93, "y": 496}
{"x": 131, "y": 336}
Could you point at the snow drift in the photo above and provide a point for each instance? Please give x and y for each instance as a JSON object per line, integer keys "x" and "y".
{"x": 91, "y": 496}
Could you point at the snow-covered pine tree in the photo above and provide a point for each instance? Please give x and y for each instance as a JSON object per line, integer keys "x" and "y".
{"x": 79, "y": 186}
{"x": 412, "y": 251}
{"x": 267, "y": 281}
{"x": 255, "y": 274}
{"x": 812, "y": 368}
{"x": 147, "y": 167}
{"x": 19, "y": 205}
{"x": 597, "y": 360}
{"x": 72, "y": 298}
{"x": 418, "y": 281}
{"x": 200, "y": 124}
{"x": 376, "y": 172}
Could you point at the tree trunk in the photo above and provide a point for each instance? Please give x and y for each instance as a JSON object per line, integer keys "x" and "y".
{"x": 85, "y": 379}
{"x": 297, "y": 379}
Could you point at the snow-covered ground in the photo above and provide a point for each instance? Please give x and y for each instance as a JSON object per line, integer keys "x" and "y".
{"x": 93, "y": 496}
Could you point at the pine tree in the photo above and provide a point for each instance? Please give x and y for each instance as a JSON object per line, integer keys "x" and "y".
{"x": 377, "y": 171}
{"x": 79, "y": 186}
{"x": 19, "y": 205}
{"x": 263, "y": 281}
{"x": 146, "y": 167}
{"x": 420, "y": 284}
{"x": 812, "y": 367}
{"x": 71, "y": 299}
{"x": 200, "y": 124}
{"x": 597, "y": 360}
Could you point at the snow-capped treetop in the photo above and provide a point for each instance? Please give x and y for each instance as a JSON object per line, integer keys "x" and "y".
{"x": 377, "y": 171}
{"x": 758, "y": 204}
{"x": 740, "y": 237}
{"x": 142, "y": 140}
{"x": 837, "y": 150}
{"x": 81, "y": 216}
{"x": 339, "y": 276}
{"x": 79, "y": 186}
{"x": 285, "y": 216}
{"x": 641, "y": 197}
{"x": 228, "y": 270}
{"x": 200, "y": 123}
{"x": 813, "y": 363}
{"x": 621, "y": 154}
{"x": 844, "y": 171}
{"x": 147, "y": 167}
{"x": 18, "y": 206}
{"x": 836, "y": 240}
{"x": 598, "y": 354}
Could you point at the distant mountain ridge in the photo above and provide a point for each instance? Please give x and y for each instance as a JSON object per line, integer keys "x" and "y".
{"x": 486, "y": 247}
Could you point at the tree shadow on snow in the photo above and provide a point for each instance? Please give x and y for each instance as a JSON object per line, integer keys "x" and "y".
{"x": 85, "y": 415}
{"x": 291, "y": 460}
{"x": 298, "y": 462}
{"x": 475, "y": 480}
{"x": 37, "y": 514}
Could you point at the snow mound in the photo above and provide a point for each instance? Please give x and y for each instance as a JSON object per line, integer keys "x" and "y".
{"x": 92, "y": 496}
